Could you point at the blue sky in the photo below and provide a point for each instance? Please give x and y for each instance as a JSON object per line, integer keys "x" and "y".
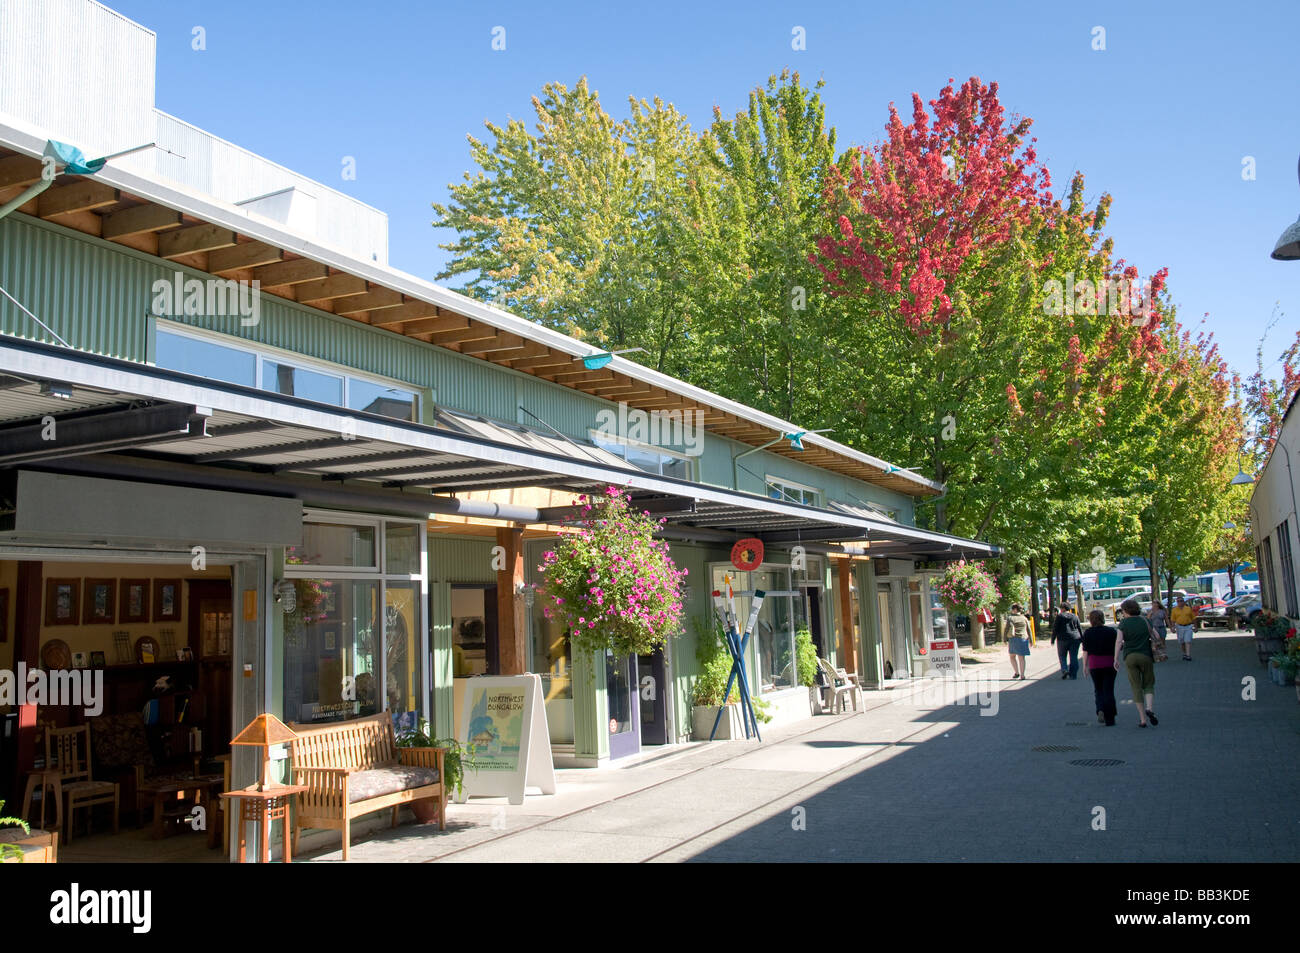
{"x": 1163, "y": 118}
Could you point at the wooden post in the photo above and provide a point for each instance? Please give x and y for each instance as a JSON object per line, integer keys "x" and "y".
{"x": 27, "y": 622}
{"x": 847, "y": 660}
{"x": 512, "y": 651}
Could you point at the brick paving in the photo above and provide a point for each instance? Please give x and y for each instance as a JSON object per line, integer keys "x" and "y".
{"x": 919, "y": 778}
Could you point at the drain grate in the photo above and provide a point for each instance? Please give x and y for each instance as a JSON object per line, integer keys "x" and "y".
{"x": 1097, "y": 762}
{"x": 1056, "y": 748}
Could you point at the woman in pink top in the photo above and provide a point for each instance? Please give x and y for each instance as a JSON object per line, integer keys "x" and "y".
{"x": 1099, "y": 650}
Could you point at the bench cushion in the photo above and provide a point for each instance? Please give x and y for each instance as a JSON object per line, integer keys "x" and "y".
{"x": 377, "y": 782}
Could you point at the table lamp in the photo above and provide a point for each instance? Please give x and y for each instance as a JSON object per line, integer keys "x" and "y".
{"x": 263, "y": 731}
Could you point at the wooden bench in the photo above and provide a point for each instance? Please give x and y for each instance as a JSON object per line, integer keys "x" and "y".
{"x": 354, "y": 767}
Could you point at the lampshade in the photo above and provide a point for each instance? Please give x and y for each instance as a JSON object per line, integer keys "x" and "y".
{"x": 1288, "y": 246}
{"x": 594, "y": 362}
{"x": 264, "y": 730}
{"x": 1241, "y": 478}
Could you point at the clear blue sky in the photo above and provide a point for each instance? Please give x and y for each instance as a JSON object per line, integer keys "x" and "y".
{"x": 1162, "y": 118}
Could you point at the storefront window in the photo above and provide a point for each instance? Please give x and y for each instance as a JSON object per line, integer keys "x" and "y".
{"x": 552, "y": 660}
{"x": 938, "y": 615}
{"x": 335, "y": 544}
{"x": 354, "y": 641}
{"x": 917, "y": 618}
{"x": 330, "y": 670}
{"x": 783, "y": 613}
{"x": 402, "y": 548}
{"x": 469, "y": 648}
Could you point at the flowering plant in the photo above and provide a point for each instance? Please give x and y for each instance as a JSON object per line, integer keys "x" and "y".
{"x": 1269, "y": 625}
{"x": 612, "y": 583}
{"x": 968, "y": 587}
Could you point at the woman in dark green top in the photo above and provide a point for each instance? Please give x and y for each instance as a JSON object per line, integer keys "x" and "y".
{"x": 1134, "y": 648}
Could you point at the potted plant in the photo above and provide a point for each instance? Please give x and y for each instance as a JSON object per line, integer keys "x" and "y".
{"x": 711, "y": 682}
{"x": 806, "y": 668}
{"x": 10, "y": 851}
{"x": 1271, "y": 632}
{"x": 454, "y": 760}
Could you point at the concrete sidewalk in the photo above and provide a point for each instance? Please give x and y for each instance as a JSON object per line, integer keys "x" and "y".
{"x": 923, "y": 775}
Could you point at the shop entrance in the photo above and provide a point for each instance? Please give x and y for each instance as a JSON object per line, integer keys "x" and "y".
{"x": 890, "y": 638}
{"x": 154, "y": 641}
{"x": 624, "y": 707}
{"x": 652, "y": 689}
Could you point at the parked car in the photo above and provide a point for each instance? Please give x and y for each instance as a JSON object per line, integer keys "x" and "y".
{"x": 1245, "y": 608}
{"x": 1144, "y": 600}
{"x": 1212, "y": 612}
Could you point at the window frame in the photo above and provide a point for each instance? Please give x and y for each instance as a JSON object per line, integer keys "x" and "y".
{"x": 263, "y": 353}
{"x": 769, "y": 481}
{"x": 604, "y": 441}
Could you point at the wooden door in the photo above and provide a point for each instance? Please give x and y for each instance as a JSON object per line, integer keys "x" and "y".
{"x": 211, "y": 639}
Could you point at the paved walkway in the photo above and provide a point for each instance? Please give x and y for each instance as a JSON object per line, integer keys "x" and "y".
{"x": 921, "y": 777}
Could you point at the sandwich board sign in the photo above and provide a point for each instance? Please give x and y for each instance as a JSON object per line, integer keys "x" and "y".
{"x": 943, "y": 656}
{"x": 505, "y": 721}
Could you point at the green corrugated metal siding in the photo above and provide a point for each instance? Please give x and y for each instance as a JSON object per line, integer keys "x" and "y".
{"x": 461, "y": 559}
{"x": 98, "y": 297}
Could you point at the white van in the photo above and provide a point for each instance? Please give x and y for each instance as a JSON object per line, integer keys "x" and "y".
{"x": 1103, "y": 598}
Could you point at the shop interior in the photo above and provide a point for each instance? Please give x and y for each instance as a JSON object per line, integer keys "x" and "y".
{"x": 156, "y": 642}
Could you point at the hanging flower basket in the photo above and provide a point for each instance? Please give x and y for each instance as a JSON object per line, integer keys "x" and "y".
{"x": 612, "y": 583}
{"x": 967, "y": 587}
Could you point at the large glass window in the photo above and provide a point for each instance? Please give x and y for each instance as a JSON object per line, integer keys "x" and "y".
{"x": 204, "y": 358}
{"x": 1288, "y": 567}
{"x": 649, "y": 459}
{"x": 235, "y": 361}
{"x": 301, "y": 382}
{"x": 784, "y": 611}
{"x": 553, "y": 661}
{"x": 354, "y": 640}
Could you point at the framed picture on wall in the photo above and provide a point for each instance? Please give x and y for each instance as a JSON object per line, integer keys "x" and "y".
{"x": 133, "y": 601}
{"x": 166, "y": 600}
{"x": 97, "y": 660}
{"x": 98, "y": 601}
{"x": 62, "y": 600}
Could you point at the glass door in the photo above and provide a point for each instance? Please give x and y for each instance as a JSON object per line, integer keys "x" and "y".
{"x": 624, "y": 708}
{"x": 652, "y": 698}
{"x": 888, "y": 642}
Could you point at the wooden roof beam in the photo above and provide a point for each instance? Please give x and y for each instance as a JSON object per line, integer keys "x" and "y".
{"x": 20, "y": 171}
{"x": 199, "y": 238}
{"x": 553, "y": 359}
{"x": 375, "y": 300}
{"x": 81, "y": 196}
{"x": 505, "y": 341}
{"x": 139, "y": 220}
{"x": 327, "y": 289}
{"x": 407, "y": 316}
{"x": 293, "y": 272}
{"x": 238, "y": 257}
{"x": 479, "y": 332}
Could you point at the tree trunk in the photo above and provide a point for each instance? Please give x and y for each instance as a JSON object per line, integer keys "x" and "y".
{"x": 1051, "y": 581}
{"x": 1033, "y": 590}
{"x": 1065, "y": 580}
{"x": 1153, "y": 567}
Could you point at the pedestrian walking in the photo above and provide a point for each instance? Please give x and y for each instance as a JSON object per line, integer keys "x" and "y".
{"x": 1133, "y": 650}
{"x": 1184, "y": 619}
{"x": 1018, "y": 644}
{"x": 1159, "y": 618}
{"x": 1066, "y": 635}
{"x": 1099, "y": 656}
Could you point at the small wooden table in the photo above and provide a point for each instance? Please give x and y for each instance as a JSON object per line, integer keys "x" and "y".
{"x": 273, "y": 804}
{"x": 173, "y": 800}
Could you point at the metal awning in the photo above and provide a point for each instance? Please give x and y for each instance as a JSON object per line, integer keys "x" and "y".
{"x": 72, "y": 411}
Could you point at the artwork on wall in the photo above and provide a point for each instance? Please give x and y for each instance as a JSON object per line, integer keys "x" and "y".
{"x": 97, "y": 660}
{"x": 98, "y": 601}
{"x": 62, "y": 599}
{"x": 134, "y": 601}
{"x": 167, "y": 600}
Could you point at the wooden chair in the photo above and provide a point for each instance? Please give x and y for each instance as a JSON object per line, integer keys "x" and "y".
{"x": 68, "y": 750}
{"x": 839, "y": 685}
